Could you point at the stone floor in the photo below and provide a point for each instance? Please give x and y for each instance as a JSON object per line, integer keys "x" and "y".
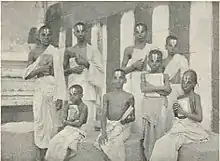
{"x": 18, "y": 145}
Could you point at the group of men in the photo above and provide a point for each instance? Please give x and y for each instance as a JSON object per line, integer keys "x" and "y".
{"x": 76, "y": 78}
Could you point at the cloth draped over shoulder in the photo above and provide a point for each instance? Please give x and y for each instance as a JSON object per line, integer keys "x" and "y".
{"x": 47, "y": 90}
{"x": 60, "y": 86}
{"x": 178, "y": 63}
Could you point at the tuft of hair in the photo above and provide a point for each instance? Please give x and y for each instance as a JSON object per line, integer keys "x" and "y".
{"x": 156, "y": 51}
{"x": 141, "y": 24}
{"x": 171, "y": 37}
{"x": 194, "y": 74}
{"x": 77, "y": 87}
{"x": 120, "y": 70}
{"x": 79, "y": 23}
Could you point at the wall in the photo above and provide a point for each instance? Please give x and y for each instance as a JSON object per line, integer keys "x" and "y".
{"x": 17, "y": 18}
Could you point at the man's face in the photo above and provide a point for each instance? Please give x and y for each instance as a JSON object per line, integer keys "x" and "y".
{"x": 118, "y": 79}
{"x": 79, "y": 32}
{"x": 188, "y": 82}
{"x": 75, "y": 95}
{"x": 140, "y": 32}
{"x": 171, "y": 46}
{"x": 155, "y": 61}
{"x": 45, "y": 36}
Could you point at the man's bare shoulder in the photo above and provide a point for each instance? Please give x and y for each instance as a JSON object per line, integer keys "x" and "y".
{"x": 129, "y": 50}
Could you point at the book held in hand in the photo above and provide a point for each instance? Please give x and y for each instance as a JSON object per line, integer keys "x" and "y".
{"x": 127, "y": 113}
{"x": 184, "y": 103}
{"x": 156, "y": 79}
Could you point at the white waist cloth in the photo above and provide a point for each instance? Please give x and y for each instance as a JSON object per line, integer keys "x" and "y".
{"x": 69, "y": 137}
{"x": 117, "y": 135}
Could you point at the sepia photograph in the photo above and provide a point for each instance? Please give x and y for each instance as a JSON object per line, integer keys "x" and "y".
{"x": 110, "y": 80}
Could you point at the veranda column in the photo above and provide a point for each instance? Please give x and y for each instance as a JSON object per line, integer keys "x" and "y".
{"x": 160, "y": 27}
{"x": 200, "y": 61}
{"x": 127, "y": 29}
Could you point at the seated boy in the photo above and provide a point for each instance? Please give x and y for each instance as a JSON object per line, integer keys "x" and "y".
{"x": 118, "y": 108}
{"x": 186, "y": 127}
{"x": 64, "y": 145}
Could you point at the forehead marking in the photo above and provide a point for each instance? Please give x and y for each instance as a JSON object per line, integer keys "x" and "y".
{"x": 73, "y": 90}
{"x": 46, "y": 31}
{"x": 80, "y": 27}
{"x": 173, "y": 42}
{"x": 139, "y": 28}
{"x": 154, "y": 57}
{"x": 118, "y": 74}
{"x": 187, "y": 78}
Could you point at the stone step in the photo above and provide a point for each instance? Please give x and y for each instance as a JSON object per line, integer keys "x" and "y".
{"x": 17, "y": 84}
{"x": 201, "y": 151}
{"x": 18, "y": 145}
{"x": 17, "y": 91}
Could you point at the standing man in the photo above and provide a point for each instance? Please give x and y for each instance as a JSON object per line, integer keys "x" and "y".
{"x": 133, "y": 64}
{"x": 83, "y": 64}
{"x": 44, "y": 63}
{"x": 175, "y": 65}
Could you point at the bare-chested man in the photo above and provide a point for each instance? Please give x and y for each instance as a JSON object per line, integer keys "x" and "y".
{"x": 133, "y": 64}
{"x": 50, "y": 89}
{"x": 118, "y": 112}
{"x": 83, "y": 65}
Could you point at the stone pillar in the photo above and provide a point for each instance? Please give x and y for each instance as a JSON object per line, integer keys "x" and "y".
{"x": 160, "y": 27}
{"x": 62, "y": 38}
{"x": 104, "y": 53}
{"x": 143, "y": 13}
{"x": 94, "y": 36}
{"x": 74, "y": 39}
{"x": 127, "y": 30}
{"x": 201, "y": 61}
{"x": 180, "y": 24}
{"x": 215, "y": 68}
{"x": 113, "y": 47}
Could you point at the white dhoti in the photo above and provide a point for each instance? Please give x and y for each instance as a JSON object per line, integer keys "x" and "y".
{"x": 117, "y": 135}
{"x": 47, "y": 90}
{"x": 153, "y": 122}
{"x": 68, "y": 138}
{"x": 183, "y": 132}
{"x": 46, "y": 117}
